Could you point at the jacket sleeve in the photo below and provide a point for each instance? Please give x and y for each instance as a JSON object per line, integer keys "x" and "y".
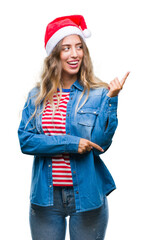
{"x": 34, "y": 143}
{"x": 106, "y": 122}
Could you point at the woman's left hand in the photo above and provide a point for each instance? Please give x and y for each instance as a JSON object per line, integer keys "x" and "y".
{"x": 115, "y": 86}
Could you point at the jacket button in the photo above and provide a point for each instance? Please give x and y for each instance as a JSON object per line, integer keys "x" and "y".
{"x": 74, "y": 171}
{"x": 50, "y": 186}
{"x": 49, "y": 165}
{"x": 68, "y": 115}
{"x": 110, "y": 105}
{"x": 77, "y": 192}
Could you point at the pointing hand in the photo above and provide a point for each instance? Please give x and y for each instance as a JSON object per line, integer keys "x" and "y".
{"x": 86, "y": 145}
{"x": 115, "y": 86}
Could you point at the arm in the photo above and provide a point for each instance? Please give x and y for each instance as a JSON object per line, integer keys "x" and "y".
{"x": 33, "y": 143}
{"x": 106, "y": 122}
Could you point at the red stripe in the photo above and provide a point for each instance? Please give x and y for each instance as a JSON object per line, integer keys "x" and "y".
{"x": 54, "y": 132}
{"x": 64, "y": 165}
{"x": 53, "y": 127}
{"x": 65, "y": 102}
{"x": 67, "y": 167}
{"x": 51, "y": 122}
{"x": 56, "y": 185}
{"x": 60, "y": 171}
{"x": 50, "y": 114}
{"x": 62, "y": 176}
{"x": 56, "y": 180}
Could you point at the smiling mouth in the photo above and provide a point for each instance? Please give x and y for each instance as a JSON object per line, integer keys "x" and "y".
{"x": 73, "y": 64}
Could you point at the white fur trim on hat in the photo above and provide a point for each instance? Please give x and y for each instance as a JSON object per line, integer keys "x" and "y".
{"x": 59, "y": 35}
{"x": 86, "y": 33}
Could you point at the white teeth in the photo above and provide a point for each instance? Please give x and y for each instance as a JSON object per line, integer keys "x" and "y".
{"x": 73, "y": 63}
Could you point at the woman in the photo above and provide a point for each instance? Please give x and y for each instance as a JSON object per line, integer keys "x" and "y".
{"x": 69, "y": 119}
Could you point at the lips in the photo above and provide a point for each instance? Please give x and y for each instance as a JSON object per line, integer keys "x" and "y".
{"x": 73, "y": 64}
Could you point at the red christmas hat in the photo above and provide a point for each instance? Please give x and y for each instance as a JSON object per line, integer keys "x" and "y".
{"x": 62, "y": 27}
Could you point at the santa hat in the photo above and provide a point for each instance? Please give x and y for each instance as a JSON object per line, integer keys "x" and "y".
{"x": 62, "y": 27}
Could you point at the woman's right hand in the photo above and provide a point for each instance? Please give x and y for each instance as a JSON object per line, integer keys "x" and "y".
{"x": 86, "y": 145}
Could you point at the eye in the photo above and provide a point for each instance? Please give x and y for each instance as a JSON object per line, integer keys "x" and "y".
{"x": 79, "y": 47}
{"x": 66, "y": 48}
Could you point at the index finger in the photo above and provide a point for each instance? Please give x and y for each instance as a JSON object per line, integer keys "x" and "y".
{"x": 124, "y": 79}
{"x": 96, "y": 146}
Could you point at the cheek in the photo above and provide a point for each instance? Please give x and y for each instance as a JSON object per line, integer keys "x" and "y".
{"x": 62, "y": 60}
{"x": 64, "y": 55}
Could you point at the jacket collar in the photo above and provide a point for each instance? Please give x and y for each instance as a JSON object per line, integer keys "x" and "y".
{"x": 78, "y": 85}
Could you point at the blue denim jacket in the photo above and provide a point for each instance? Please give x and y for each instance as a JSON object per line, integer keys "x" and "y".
{"x": 95, "y": 121}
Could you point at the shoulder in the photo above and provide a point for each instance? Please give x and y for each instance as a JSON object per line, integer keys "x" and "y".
{"x": 34, "y": 92}
{"x": 32, "y": 95}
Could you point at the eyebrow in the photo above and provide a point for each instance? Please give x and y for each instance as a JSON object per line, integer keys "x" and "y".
{"x": 70, "y": 44}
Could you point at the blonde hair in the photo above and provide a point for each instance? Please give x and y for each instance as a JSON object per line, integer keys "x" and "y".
{"x": 51, "y": 78}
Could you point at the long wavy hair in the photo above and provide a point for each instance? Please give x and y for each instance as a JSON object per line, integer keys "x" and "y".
{"x": 51, "y": 78}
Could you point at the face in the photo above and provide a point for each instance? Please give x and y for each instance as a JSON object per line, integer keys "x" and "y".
{"x": 71, "y": 55}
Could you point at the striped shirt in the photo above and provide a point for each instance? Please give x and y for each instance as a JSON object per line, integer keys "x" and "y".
{"x": 61, "y": 170}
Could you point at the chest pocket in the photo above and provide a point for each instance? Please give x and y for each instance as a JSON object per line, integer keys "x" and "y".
{"x": 87, "y": 116}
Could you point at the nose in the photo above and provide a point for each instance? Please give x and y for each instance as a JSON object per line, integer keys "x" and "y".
{"x": 74, "y": 53}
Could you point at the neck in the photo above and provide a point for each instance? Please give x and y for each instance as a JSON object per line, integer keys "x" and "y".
{"x": 67, "y": 81}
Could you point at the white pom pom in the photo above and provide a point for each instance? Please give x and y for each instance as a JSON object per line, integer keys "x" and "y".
{"x": 86, "y": 33}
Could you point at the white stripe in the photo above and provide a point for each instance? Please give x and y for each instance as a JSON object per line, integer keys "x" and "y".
{"x": 56, "y": 118}
{"x": 57, "y": 115}
{"x": 61, "y": 183}
{"x": 62, "y": 178}
{"x": 57, "y": 110}
{"x": 61, "y": 169}
{"x": 63, "y": 102}
{"x": 69, "y": 174}
{"x": 63, "y": 165}
{"x": 61, "y": 159}
{"x": 49, "y": 119}
{"x": 54, "y": 129}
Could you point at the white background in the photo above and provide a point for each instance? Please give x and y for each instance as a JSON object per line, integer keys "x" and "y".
{"x": 119, "y": 43}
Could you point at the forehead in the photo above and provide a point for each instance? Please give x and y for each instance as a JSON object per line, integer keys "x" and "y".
{"x": 71, "y": 39}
